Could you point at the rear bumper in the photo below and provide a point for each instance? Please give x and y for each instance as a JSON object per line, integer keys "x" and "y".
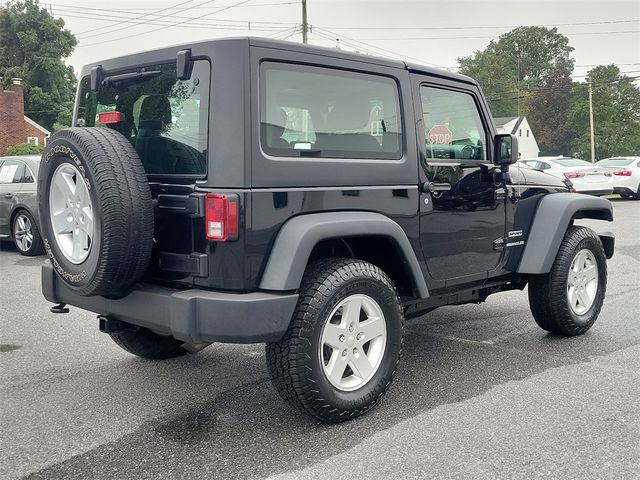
{"x": 192, "y": 315}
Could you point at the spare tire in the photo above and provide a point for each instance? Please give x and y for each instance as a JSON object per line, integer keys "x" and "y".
{"x": 96, "y": 212}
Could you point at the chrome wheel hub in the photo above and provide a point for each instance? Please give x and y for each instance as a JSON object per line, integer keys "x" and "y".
{"x": 352, "y": 342}
{"x": 71, "y": 213}
{"x": 582, "y": 283}
{"x": 23, "y": 232}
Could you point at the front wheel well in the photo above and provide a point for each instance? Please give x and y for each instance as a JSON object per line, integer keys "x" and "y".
{"x": 380, "y": 251}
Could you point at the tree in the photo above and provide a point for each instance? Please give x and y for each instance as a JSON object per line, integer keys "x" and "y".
{"x": 33, "y": 45}
{"x": 548, "y": 116}
{"x": 499, "y": 83}
{"x": 616, "y": 114}
{"x": 527, "y": 72}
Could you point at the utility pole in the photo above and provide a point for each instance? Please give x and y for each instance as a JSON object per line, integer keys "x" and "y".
{"x": 305, "y": 25}
{"x": 593, "y": 148}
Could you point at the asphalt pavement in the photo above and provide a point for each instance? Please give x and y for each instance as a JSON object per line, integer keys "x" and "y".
{"x": 482, "y": 393}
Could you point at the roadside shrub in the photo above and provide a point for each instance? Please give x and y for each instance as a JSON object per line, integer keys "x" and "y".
{"x": 24, "y": 149}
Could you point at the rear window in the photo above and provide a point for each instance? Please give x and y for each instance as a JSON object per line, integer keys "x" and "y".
{"x": 615, "y": 162}
{"x": 320, "y": 112}
{"x": 165, "y": 119}
{"x": 572, "y": 162}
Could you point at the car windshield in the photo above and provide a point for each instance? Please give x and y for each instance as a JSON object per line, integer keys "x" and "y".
{"x": 165, "y": 119}
{"x": 572, "y": 162}
{"x": 615, "y": 162}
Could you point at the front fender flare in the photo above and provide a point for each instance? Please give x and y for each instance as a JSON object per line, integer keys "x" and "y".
{"x": 298, "y": 236}
{"x": 552, "y": 218}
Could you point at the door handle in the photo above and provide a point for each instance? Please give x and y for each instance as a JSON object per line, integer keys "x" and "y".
{"x": 8, "y": 195}
{"x": 433, "y": 187}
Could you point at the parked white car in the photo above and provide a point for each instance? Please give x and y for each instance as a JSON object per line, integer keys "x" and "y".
{"x": 585, "y": 177}
{"x": 626, "y": 175}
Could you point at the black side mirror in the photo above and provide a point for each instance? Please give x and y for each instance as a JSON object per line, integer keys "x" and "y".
{"x": 184, "y": 65}
{"x": 505, "y": 150}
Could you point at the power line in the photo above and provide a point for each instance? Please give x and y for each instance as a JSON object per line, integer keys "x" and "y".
{"x": 141, "y": 9}
{"x": 125, "y": 17}
{"x": 203, "y": 24}
{"x": 471, "y": 27}
{"x": 491, "y": 36}
{"x": 562, "y": 87}
{"x": 137, "y": 18}
{"x": 364, "y": 45}
{"x": 164, "y": 27}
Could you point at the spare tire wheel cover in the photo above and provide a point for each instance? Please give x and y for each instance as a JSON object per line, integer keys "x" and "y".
{"x": 89, "y": 178}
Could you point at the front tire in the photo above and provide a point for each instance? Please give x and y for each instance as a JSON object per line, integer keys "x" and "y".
{"x": 342, "y": 348}
{"x": 143, "y": 343}
{"x": 568, "y": 299}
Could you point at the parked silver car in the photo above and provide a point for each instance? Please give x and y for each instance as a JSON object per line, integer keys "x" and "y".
{"x": 19, "y": 203}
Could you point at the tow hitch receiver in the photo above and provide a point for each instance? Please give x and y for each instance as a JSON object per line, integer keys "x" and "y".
{"x": 112, "y": 325}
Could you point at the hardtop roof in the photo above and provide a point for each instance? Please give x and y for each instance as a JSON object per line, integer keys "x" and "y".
{"x": 144, "y": 57}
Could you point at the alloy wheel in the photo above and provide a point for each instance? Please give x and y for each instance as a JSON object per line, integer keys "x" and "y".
{"x": 71, "y": 213}
{"x": 353, "y": 342}
{"x": 23, "y": 232}
{"x": 582, "y": 283}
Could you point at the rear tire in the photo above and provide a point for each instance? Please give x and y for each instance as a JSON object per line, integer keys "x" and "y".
{"x": 334, "y": 384}
{"x": 568, "y": 299}
{"x": 26, "y": 234}
{"x": 143, "y": 343}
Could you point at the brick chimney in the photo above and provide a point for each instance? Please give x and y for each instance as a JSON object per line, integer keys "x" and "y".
{"x": 11, "y": 115}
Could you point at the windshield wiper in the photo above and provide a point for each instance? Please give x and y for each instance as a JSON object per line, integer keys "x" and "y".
{"x": 129, "y": 78}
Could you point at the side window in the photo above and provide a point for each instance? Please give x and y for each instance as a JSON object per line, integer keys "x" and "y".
{"x": 544, "y": 166}
{"x": 453, "y": 126}
{"x": 28, "y": 176}
{"x": 320, "y": 112}
{"x": 12, "y": 172}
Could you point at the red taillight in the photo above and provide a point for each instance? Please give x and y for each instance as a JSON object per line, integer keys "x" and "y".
{"x": 221, "y": 217}
{"x": 623, "y": 173}
{"x": 570, "y": 175}
{"x": 109, "y": 118}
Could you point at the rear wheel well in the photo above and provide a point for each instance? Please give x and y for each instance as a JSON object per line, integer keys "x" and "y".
{"x": 380, "y": 251}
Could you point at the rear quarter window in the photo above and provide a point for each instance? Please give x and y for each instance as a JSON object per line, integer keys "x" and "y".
{"x": 310, "y": 111}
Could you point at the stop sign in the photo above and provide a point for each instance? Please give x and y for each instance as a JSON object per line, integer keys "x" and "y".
{"x": 439, "y": 134}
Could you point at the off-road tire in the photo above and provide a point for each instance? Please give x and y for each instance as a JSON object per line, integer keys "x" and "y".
{"x": 548, "y": 298}
{"x": 36, "y": 248}
{"x": 144, "y": 343}
{"x": 293, "y": 362}
{"x": 121, "y": 204}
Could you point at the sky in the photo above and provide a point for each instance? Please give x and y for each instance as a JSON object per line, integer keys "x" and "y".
{"x": 432, "y": 32}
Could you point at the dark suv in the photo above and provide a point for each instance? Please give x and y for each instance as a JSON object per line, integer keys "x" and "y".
{"x": 248, "y": 190}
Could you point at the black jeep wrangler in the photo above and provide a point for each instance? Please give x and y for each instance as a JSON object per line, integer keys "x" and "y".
{"x": 248, "y": 190}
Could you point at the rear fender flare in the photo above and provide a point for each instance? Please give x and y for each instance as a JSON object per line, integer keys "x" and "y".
{"x": 552, "y": 218}
{"x": 298, "y": 236}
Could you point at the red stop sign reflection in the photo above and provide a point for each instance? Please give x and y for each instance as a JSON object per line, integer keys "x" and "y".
{"x": 439, "y": 135}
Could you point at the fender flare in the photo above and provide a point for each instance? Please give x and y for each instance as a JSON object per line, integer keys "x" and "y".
{"x": 552, "y": 218}
{"x": 298, "y": 236}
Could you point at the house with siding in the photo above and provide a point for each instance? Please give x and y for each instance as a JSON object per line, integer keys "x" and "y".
{"x": 519, "y": 126}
